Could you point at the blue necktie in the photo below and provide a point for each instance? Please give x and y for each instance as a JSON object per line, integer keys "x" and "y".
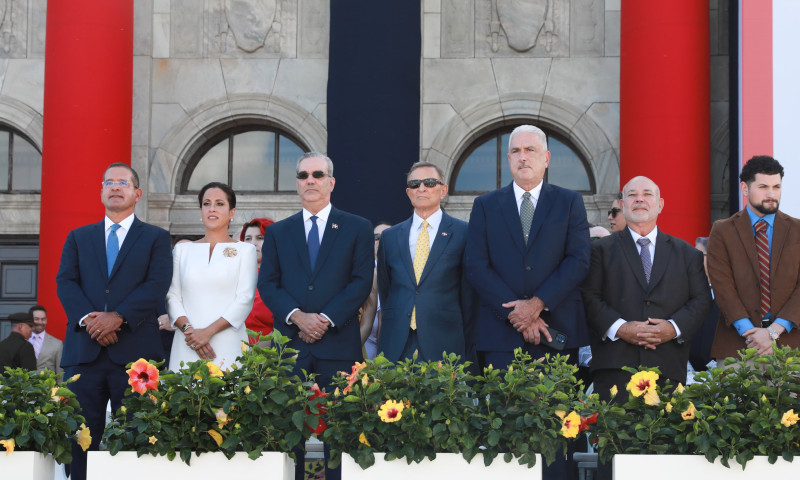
{"x": 112, "y": 247}
{"x": 313, "y": 241}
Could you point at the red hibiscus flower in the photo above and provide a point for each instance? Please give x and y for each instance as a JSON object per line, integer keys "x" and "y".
{"x": 142, "y": 376}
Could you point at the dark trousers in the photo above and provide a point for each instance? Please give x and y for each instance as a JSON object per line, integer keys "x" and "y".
{"x": 564, "y": 467}
{"x": 325, "y": 370}
{"x": 100, "y": 381}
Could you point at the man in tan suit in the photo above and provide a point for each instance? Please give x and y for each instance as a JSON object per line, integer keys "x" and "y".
{"x": 47, "y": 347}
{"x": 754, "y": 267}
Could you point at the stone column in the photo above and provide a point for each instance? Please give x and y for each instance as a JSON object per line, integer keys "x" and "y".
{"x": 665, "y": 108}
{"x": 87, "y": 123}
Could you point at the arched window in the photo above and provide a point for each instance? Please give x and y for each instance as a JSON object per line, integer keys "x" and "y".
{"x": 20, "y": 163}
{"x": 484, "y": 165}
{"x": 251, "y": 159}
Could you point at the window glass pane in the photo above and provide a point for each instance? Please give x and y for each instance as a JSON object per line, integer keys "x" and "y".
{"x": 4, "y": 142}
{"x": 566, "y": 169}
{"x": 289, "y": 153}
{"x": 213, "y": 167}
{"x": 505, "y": 171}
{"x": 27, "y": 164}
{"x": 254, "y": 161}
{"x": 479, "y": 170}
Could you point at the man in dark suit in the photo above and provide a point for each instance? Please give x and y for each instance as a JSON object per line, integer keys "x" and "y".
{"x": 15, "y": 351}
{"x": 426, "y": 302}
{"x": 527, "y": 266}
{"x": 757, "y": 288}
{"x": 645, "y": 296}
{"x": 113, "y": 276}
{"x": 316, "y": 272}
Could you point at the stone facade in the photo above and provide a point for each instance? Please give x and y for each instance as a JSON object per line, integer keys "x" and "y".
{"x": 203, "y": 65}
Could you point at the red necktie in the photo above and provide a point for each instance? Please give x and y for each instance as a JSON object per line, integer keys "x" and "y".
{"x": 762, "y": 245}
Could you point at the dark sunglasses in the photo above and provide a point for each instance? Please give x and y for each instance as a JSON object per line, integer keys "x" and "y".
{"x": 316, "y": 174}
{"x": 613, "y": 212}
{"x": 428, "y": 182}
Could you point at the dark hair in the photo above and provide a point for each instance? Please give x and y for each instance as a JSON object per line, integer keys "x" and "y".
{"x": 261, "y": 223}
{"x": 760, "y": 164}
{"x": 222, "y": 186}
{"x": 619, "y": 196}
{"x": 426, "y": 164}
{"x": 126, "y": 166}
{"x": 35, "y": 308}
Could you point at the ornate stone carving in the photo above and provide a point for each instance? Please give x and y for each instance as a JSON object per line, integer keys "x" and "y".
{"x": 250, "y": 22}
{"x": 523, "y": 22}
{"x": 13, "y": 28}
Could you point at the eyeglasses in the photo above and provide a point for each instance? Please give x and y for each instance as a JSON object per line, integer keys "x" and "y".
{"x": 428, "y": 182}
{"x": 316, "y": 174}
{"x": 613, "y": 212}
{"x": 117, "y": 183}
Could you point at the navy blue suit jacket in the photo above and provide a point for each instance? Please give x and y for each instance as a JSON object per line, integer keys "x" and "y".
{"x": 444, "y": 299}
{"x": 337, "y": 287}
{"x": 551, "y": 266}
{"x": 136, "y": 287}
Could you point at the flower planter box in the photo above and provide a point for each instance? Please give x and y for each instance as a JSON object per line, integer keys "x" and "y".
{"x": 696, "y": 467}
{"x": 33, "y": 465}
{"x": 446, "y": 465}
{"x": 127, "y": 466}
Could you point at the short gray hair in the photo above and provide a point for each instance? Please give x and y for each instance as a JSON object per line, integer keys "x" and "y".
{"x": 531, "y": 129}
{"x": 313, "y": 155}
{"x": 426, "y": 164}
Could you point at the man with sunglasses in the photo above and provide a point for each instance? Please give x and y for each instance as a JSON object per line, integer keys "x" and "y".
{"x": 427, "y": 303}
{"x": 316, "y": 272}
{"x": 615, "y": 217}
{"x": 113, "y": 277}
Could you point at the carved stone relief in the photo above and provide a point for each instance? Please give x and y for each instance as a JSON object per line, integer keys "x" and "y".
{"x": 531, "y": 28}
{"x": 13, "y": 28}
{"x": 238, "y": 28}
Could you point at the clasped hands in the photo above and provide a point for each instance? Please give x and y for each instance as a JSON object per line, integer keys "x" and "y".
{"x": 759, "y": 338}
{"x": 197, "y": 339}
{"x": 103, "y": 327}
{"x": 312, "y": 325}
{"x": 649, "y": 334}
{"x": 526, "y": 319}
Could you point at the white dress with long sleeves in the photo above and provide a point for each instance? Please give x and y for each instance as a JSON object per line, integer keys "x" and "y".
{"x": 204, "y": 289}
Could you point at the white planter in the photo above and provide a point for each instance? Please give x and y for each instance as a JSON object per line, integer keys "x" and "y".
{"x": 127, "y": 466}
{"x": 446, "y": 465}
{"x": 696, "y": 467}
{"x": 33, "y": 465}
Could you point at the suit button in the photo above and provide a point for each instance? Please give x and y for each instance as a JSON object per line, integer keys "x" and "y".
{"x": 528, "y": 268}
{"x": 311, "y": 287}
{"x": 108, "y": 291}
{"x": 417, "y": 292}
{"x": 648, "y": 302}
{"x": 409, "y": 315}
{"x": 525, "y": 297}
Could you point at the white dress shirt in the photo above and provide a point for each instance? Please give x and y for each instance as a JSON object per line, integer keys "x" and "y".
{"x": 416, "y": 228}
{"x": 518, "y": 192}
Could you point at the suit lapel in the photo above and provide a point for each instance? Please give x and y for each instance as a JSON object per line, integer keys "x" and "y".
{"x": 130, "y": 238}
{"x": 508, "y": 205}
{"x": 99, "y": 247}
{"x": 663, "y": 257}
{"x": 297, "y": 233}
{"x": 745, "y": 231}
{"x": 632, "y": 256}
{"x": 780, "y": 230}
{"x": 540, "y": 213}
{"x": 403, "y": 232}
{"x": 328, "y": 238}
{"x": 440, "y": 241}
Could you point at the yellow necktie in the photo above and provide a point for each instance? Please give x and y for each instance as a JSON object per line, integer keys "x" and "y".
{"x": 420, "y": 257}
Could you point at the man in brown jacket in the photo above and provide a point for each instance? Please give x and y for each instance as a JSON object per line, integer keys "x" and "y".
{"x": 754, "y": 267}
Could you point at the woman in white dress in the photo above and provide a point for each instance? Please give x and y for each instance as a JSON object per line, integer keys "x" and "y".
{"x": 213, "y": 286}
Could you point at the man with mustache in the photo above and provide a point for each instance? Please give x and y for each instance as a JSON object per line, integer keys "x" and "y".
{"x": 316, "y": 272}
{"x": 754, "y": 267}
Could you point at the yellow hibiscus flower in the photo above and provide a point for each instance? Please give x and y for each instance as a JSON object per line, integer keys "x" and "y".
{"x": 216, "y": 436}
{"x": 789, "y": 418}
{"x": 688, "y": 414}
{"x": 571, "y": 425}
{"x": 84, "y": 437}
{"x": 668, "y": 407}
{"x": 391, "y": 411}
{"x": 152, "y": 439}
{"x": 680, "y": 388}
{"x": 651, "y": 397}
{"x": 614, "y": 391}
{"x": 642, "y": 382}
{"x": 9, "y": 444}
{"x": 363, "y": 439}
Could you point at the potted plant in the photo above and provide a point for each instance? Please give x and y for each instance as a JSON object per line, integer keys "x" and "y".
{"x": 38, "y": 419}
{"x": 257, "y": 406}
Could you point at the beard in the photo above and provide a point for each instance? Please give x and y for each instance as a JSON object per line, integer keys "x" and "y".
{"x": 766, "y": 210}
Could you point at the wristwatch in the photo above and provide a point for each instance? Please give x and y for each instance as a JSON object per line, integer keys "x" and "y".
{"x": 773, "y": 335}
{"x": 186, "y": 326}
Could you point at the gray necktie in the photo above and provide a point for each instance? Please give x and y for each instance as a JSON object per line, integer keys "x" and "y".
{"x": 647, "y": 262}
{"x": 526, "y": 214}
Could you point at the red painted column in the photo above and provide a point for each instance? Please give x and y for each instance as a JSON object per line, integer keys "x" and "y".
{"x": 88, "y": 89}
{"x": 665, "y": 108}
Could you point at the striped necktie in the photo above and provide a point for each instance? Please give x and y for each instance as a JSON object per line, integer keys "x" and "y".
{"x": 762, "y": 246}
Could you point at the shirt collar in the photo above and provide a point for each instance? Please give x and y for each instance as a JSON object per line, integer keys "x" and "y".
{"x": 433, "y": 221}
{"x": 321, "y": 215}
{"x": 650, "y": 236}
{"x": 519, "y": 191}
{"x": 769, "y": 218}
{"x": 126, "y": 223}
